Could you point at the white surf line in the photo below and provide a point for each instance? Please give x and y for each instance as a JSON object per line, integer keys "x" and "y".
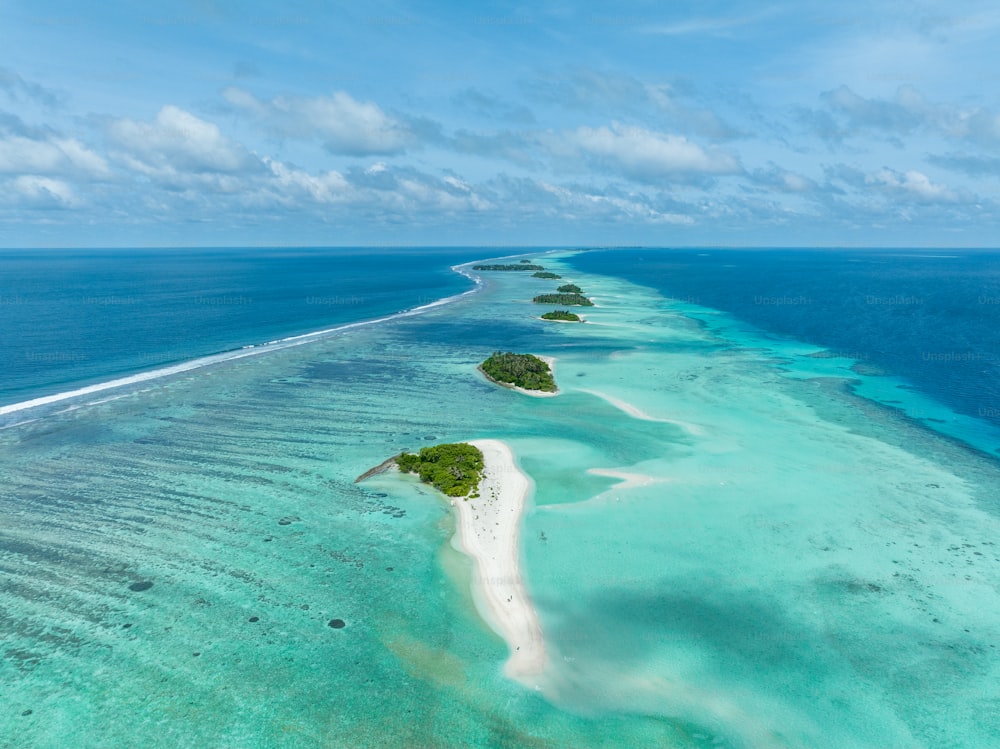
{"x": 638, "y": 413}
{"x": 246, "y": 351}
{"x": 489, "y": 532}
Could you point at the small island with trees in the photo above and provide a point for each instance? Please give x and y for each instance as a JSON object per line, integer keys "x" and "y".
{"x": 562, "y": 315}
{"x": 509, "y": 267}
{"x": 524, "y": 371}
{"x": 570, "y": 288}
{"x": 570, "y": 300}
{"x": 454, "y": 468}
{"x": 546, "y": 274}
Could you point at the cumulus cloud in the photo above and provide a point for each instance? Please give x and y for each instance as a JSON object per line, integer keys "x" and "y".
{"x": 343, "y": 124}
{"x": 290, "y": 184}
{"x": 41, "y": 192}
{"x": 649, "y": 156}
{"x": 178, "y": 142}
{"x": 912, "y": 184}
{"x": 49, "y": 156}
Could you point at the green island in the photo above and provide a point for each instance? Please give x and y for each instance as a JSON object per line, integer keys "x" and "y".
{"x": 520, "y": 370}
{"x": 577, "y": 300}
{"x": 561, "y": 314}
{"x": 455, "y": 468}
{"x": 545, "y": 274}
{"x": 511, "y": 266}
{"x": 570, "y": 288}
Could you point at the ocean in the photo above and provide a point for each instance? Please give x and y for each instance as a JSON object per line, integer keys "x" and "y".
{"x": 76, "y": 317}
{"x": 743, "y": 532}
{"x": 930, "y": 320}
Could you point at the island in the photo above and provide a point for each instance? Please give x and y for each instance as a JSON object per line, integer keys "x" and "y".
{"x": 524, "y": 372}
{"x": 509, "y": 267}
{"x": 562, "y": 315}
{"x": 577, "y": 300}
{"x": 545, "y": 274}
{"x": 453, "y": 468}
{"x": 570, "y": 288}
{"x": 494, "y": 492}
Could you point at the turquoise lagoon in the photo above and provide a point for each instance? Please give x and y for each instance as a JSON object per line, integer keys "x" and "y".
{"x": 784, "y": 563}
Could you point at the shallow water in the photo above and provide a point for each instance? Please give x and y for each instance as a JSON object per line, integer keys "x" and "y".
{"x": 803, "y": 568}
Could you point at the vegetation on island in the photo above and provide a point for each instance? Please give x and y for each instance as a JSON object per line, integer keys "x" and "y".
{"x": 521, "y": 370}
{"x": 561, "y": 314}
{"x": 546, "y": 274}
{"x": 570, "y": 288}
{"x": 455, "y": 468}
{"x": 511, "y": 266}
{"x": 566, "y": 300}
{"x": 525, "y": 261}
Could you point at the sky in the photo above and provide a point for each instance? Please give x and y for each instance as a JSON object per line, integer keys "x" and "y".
{"x": 225, "y": 123}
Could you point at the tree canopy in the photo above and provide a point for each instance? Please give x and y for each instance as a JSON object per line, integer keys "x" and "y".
{"x": 523, "y": 370}
{"x": 565, "y": 299}
{"x": 455, "y": 468}
{"x": 561, "y": 314}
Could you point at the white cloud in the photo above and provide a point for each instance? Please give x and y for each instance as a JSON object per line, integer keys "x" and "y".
{"x": 43, "y": 192}
{"x": 648, "y": 156}
{"x": 912, "y": 184}
{"x": 22, "y": 155}
{"x": 344, "y": 124}
{"x": 290, "y": 184}
{"x": 178, "y": 142}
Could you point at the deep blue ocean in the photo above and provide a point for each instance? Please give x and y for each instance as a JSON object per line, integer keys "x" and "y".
{"x": 931, "y": 318}
{"x": 76, "y": 317}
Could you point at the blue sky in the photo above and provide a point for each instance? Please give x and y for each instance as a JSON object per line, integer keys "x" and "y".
{"x": 215, "y": 122}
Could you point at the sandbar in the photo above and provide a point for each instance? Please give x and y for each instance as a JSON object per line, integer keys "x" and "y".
{"x": 489, "y": 529}
{"x": 638, "y": 413}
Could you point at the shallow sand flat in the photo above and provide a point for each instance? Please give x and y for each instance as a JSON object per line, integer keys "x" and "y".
{"x": 489, "y": 532}
{"x": 638, "y": 413}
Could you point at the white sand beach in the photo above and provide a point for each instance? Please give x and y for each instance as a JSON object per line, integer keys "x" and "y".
{"x": 489, "y": 532}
